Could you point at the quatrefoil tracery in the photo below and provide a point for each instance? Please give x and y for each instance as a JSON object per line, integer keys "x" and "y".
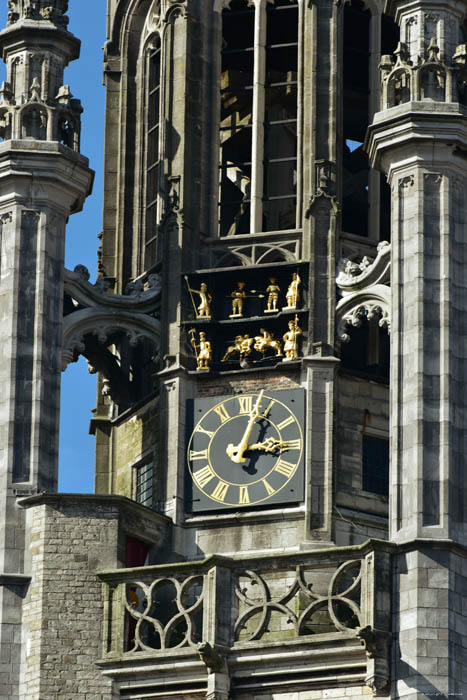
{"x": 264, "y": 604}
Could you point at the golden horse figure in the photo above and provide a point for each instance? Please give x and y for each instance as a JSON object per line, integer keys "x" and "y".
{"x": 266, "y": 340}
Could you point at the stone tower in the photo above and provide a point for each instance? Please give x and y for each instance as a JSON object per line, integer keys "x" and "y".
{"x": 279, "y": 508}
{"x": 43, "y": 180}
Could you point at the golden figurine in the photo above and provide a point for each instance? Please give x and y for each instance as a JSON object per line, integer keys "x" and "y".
{"x": 266, "y": 340}
{"x": 242, "y": 346}
{"x": 238, "y": 296}
{"x": 203, "y": 352}
{"x": 293, "y": 293}
{"x": 203, "y": 310}
{"x": 291, "y": 340}
{"x": 273, "y": 296}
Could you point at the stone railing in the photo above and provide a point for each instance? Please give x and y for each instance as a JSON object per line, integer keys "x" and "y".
{"x": 224, "y": 607}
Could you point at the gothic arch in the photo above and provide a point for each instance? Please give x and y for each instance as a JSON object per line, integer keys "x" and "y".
{"x": 103, "y": 323}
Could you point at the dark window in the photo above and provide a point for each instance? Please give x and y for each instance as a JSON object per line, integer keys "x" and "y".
{"x": 356, "y": 167}
{"x": 375, "y": 465}
{"x": 144, "y": 485}
{"x": 152, "y": 155}
{"x": 258, "y": 186}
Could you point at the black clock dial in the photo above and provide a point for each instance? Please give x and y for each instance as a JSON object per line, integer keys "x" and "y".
{"x": 248, "y": 450}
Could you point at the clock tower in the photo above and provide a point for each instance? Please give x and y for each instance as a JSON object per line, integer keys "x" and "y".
{"x": 284, "y": 188}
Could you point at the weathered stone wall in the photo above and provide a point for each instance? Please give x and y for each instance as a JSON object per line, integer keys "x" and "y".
{"x": 363, "y": 406}
{"x": 63, "y": 611}
{"x": 133, "y": 440}
{"x": 71, "y": 538}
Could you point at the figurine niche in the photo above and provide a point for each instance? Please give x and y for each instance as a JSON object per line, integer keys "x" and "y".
{"x": 203, "y": 352}
{"x": 272, "y": 290}
{"x": 203, "y": 310}
{"x": 238, "y": 297}
{"x": 293, "y": 293}
{"x": 291, "y": 340}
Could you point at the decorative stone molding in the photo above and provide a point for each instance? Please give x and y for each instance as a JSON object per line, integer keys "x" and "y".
{"x": 353, "y": 276}
{"x": 365, "y": 291}
{"x": 103, "y": 323}
{"x": 430, "y": 78}
{"x": 139, "y": 298}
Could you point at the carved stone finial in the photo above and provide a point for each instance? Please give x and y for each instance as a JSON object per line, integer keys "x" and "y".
{"x": 433, "y": 51}
{"x": 402, "y": 53}
{"x": 35, "y": 90}
{"x": 51, "y": 10}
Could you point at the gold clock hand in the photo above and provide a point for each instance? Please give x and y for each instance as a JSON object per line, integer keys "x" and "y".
{"x": 235, "y": 452}
{"x": 269, "y": 445}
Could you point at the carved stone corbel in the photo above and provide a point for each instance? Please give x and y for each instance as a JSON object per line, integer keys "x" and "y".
{"x": 218, "y": 687}
{"x": 377, "y": 644}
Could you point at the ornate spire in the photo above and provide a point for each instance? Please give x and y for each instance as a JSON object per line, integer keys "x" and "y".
{"x": 51, "y": 10}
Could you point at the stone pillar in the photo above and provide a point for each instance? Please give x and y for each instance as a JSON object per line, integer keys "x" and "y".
{"x": 43, "y": 179}
{"x": 322, "y": 27}
{"x": 419, "y": 141}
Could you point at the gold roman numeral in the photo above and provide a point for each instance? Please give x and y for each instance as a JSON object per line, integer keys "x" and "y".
{"x": 285, "y": 468}
{"x": 200, "y": 429}
{"x": 293, "y": 444}
{"x": 285, "y": 423}
{"x": 221, "y": 412}
{"x": 268, "y": 487}
{"x": 268, "y": 408}
{"x": 203, "y": 476}
{"x": 244, "y": 495}
{"x": 220, "y": 492}
{"x": 202, "y": 454}
{"x": 245, "y": 403}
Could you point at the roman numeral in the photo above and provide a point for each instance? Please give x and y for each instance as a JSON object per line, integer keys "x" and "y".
{"x": 203, "y": 476}
{"x": 293, "y": 444}
{"x": 268, "y": 487}
{"x": 285, "y": 423}
{"x": 285, "y": 468}
{"x": 244, "y": 495}
{"x": 268, "y": 408}
{"x": 220, "y": 492}
{"x": 221, "y": 412}
{"x": 200, "y": 429}
{"x": 246, "y": 404}
{"x": 202, "y": 454}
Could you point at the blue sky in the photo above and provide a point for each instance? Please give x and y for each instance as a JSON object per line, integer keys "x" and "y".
{"x": 87, "y": 22}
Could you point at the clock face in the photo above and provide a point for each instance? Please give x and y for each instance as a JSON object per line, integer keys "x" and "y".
{"x": 247, "y": 450}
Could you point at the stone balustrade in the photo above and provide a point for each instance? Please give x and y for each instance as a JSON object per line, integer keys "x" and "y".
{"x": 331, "y": 607}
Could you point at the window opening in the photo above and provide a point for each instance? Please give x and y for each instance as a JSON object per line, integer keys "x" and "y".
{"x": 366, "y": 196}
{"x": 355, "y": 199}
{"x": 144, "y": 484}
{"x": 375, "y": 465}
{"x": 152, "y": 154}
{"x": 258, "y": 122}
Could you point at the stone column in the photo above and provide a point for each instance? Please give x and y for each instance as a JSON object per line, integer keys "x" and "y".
{"x": 42, "y": 182}
{"x": 322, "y": 28}
{"x": 419, "y": 141}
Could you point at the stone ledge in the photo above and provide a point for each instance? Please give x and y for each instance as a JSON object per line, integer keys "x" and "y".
{"x": 136, "y": 520}
{"x": 14, "y": 579}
